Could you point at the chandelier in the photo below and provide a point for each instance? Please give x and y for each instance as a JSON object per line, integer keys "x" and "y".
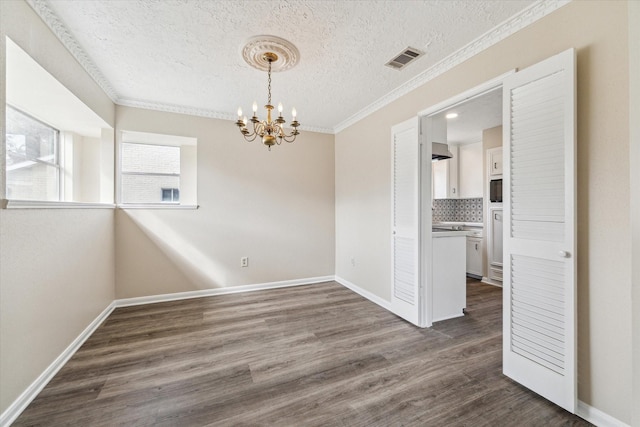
{"x": 271, "y": 131}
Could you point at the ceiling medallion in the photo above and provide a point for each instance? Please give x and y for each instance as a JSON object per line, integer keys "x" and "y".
{"x": 269, "y": 53}
{"x": 287, "y": 54}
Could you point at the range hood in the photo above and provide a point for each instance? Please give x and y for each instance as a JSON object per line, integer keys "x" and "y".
{"x": 440, "y": 151}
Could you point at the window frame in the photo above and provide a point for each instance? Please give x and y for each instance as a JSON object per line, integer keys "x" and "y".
{"x": 125, "y": 173}
{"x": 57, "y": 155}
{"x": 135, "y": 137}
{"x": 67, "y": 114}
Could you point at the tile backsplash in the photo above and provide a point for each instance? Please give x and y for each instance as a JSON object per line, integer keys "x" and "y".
{"x": 458, "y": 210}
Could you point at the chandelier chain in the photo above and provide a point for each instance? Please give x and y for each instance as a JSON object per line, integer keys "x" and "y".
{"x": 269, "y": 101}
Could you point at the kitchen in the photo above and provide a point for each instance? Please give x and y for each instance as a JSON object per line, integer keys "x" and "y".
{"x": 466, "y": 200}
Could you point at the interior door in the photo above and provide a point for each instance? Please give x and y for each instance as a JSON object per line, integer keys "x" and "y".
{"x": 539, "y": 347}
{"x": 405, "y": 227}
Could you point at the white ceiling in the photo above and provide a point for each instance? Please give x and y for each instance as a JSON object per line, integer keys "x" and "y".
{"x": 474, "y": 115}
{"x": 186, "y": 55}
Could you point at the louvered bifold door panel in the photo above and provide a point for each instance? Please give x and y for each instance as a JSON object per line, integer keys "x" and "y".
{"x": 404, "y": 269}
{"x": 405, "y": 216}
{"x": 539, "y": 244}
{"x": 537, "y": 311}
{"x": 537, "y": 160}
{"x": 405, "y": 220}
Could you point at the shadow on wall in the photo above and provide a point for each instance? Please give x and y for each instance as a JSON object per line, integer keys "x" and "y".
{"x": 194, "y": 270}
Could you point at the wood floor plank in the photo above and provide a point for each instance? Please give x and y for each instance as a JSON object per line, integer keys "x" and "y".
{"x": 316, "y": 355}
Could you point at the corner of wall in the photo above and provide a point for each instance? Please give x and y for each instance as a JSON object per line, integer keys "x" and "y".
{"x": 634, "y": 146}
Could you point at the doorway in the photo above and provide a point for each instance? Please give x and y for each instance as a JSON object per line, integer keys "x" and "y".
{"x": 454, "y": 190}
{"x": 461, "y": 185}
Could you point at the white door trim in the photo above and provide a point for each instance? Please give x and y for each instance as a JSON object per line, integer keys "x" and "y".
{"x": 467, "y": 95}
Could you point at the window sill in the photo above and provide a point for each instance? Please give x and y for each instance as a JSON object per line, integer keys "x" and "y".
{"x": 156, "y": 206}
{"x": 41, "y": 204}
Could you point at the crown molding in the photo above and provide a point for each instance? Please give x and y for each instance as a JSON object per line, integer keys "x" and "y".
{"x": 316, "y": 129}
{"x": 199, "y": 112}
{"x": 173, "y": 108}
{"x": 44, "y": 11}
{"x": 517, "y": 22}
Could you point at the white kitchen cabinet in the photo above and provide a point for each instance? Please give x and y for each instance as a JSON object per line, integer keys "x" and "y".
{"x": 470, "y": 170}
{"x": 474, "y": 256}
{"x": 495, "y": 162}
{"x": 495, "y": 243}
{"x": 445, "y": 177}
{"x": 449, "y": 282}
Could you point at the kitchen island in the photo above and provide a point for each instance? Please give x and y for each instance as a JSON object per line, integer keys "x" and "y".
{"x": 449, "y": 274}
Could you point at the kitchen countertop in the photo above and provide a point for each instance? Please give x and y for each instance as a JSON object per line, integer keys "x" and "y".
{"x": 449, "y": 233}
{"x": 463, "y": 224}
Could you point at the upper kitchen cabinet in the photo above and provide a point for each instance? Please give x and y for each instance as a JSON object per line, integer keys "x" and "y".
{"x": 461, "y": 175}
{"x": 444, "y": 172}
{"x": 495, "y": 161}
{"x": 470, "y": 170}
{"x": 445, "y": 176}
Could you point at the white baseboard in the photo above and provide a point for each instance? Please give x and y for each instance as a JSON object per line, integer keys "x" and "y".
{"x": 368, "y": 295}
{"x": 126, "y": 302}
{"x": 597, "y": 417}
{"x": 491, "y": 282}
{"x": 30, "y": 393}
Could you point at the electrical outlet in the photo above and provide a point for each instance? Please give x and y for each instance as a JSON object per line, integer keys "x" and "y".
{"x": 244, "y": 261}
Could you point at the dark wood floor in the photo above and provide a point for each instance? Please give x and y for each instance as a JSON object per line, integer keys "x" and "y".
{"x": 305, "y": 356}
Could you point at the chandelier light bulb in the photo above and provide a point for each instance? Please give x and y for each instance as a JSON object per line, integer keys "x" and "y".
{"x": 239, "y": 113}
{"x": 293, "y": 113}
{"x": 244, "y": 120}
{"x": 280, "y": 107}
{"x": 255, "y": 107}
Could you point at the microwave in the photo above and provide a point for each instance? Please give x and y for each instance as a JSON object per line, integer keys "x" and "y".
{"x": 495, "y": 191}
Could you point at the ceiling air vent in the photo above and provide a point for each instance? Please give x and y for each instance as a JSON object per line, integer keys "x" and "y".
{"x": 405, "y": 57}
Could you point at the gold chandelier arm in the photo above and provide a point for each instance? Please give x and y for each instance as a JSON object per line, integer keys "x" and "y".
{"x": 289, "y": 138}
{"x": 253, "y": 137}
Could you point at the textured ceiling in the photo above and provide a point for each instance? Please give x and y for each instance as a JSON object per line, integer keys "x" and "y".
{"x": 188, "y": 53}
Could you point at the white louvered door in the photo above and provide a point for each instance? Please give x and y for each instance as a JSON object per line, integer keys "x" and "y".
{"x": 539, "y": 347}
{"x": 405, "y": 227}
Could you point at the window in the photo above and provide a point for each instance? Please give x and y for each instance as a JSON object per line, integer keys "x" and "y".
{"x": 33, "y": 158}
{"x": 157, "y": 170}
{"x": 57, "y": 150}
{"x": 147, "y": 170}
{"x": 170, "y": 195}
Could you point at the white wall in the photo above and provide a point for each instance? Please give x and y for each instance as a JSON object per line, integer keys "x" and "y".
{"x": 56, "y": 266}
{"x": 89, "y": 170}
{"x": 275, "y": 207}
{"x": 634, "y": 138}
{"x": 599, "y": 32}
{"x": 81, "y": 167}
{"x": 189, "y": 174}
